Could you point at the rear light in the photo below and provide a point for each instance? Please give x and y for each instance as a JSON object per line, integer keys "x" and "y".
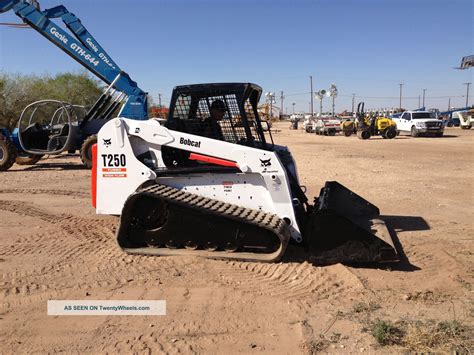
{"x": 94, "y": 176}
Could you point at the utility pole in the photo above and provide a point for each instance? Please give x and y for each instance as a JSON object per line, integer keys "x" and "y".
{"x": 449, "y": 104}
{"x": 159, "y": 100}
{"x": 400, "y": 105}
{"x": 293, "y": 104}
{"x": 311, "y": 81}
{"x": 424, "y": 90}
{"x": 270, "y": 97}
{"x": 281, "y": 102}
{"x": 467, "y": 93}
{"x": 419, "y": 99}
{"x": 353, "y": 98}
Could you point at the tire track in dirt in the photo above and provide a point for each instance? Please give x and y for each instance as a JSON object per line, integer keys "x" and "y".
{"x": 291, "y": 281}
{"x": 436, "y": 259}
{"x": 73, "y": 193}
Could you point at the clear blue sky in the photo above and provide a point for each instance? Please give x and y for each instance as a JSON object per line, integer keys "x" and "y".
{"x": 365, "y": 47}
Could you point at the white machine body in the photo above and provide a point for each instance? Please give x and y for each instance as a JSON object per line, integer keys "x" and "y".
{"x": 261, "y": 183}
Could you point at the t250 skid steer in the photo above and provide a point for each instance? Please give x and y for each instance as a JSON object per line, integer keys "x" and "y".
{"x": 214, "y": 184}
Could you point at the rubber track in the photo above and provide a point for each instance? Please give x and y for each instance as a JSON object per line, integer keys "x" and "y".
{"x": 241, "y": 214}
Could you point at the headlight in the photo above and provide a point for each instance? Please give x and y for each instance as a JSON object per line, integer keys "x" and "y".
{"x": 420, "y": 124}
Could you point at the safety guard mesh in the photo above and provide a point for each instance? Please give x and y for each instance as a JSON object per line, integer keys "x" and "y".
{"x": 194, "y": 117}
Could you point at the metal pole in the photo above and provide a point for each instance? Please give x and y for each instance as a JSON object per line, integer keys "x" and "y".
{"x": 419, "y": 98}
{"x": 353, "y": 98}
{"x": 281, "y": 101}
{"x": 400, "y": 106}
{"x": 424, "y": 90}
{"x": 321, "y": 107}
{"x": 294, "y": 103}
{"x": 449, "y": 104}
{"x": 333, "y": 105}
{"x": 271, "y": 107}
{"x": 467, "y": 93}
{"x": 311, "y": 81}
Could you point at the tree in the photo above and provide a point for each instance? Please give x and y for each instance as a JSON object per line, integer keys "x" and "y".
{"x": 18, "y": 91}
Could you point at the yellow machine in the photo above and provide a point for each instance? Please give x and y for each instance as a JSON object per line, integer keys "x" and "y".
{"x": 348, "y": 127}
{"x": 374, "y": 125}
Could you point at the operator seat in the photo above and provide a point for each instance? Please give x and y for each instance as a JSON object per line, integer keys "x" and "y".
{"x": 57, "y": 141}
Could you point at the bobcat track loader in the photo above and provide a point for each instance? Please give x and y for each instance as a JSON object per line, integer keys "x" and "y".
{"x": 233, "y": 196}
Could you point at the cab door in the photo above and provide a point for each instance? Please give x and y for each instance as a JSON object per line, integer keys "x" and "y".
{"x": 405, "y": 122}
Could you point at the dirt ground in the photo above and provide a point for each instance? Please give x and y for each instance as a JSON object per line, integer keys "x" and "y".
{"x": 53, "y": 246}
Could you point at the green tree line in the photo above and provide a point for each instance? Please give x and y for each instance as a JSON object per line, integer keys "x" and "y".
{"x": 17, "y": 91}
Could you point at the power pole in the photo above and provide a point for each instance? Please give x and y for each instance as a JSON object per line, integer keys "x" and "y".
{"x": 424, "y": 90}
{"x": 353, "y": 98}
{"x": 419, "y": 99}
{"x": 159, "y": 100}
{"x": 281, "y": 102}
{"x": 311, "y": 81}
{"x": 467, "y": 93}
{"x": 293, "y": 104}
{"x": 400, "y": 106}
{"x": 449, "y": 104}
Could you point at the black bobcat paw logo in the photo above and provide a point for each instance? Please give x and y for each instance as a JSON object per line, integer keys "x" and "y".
{"x": 107, "y": 142}
{"x": 266, "y": 163}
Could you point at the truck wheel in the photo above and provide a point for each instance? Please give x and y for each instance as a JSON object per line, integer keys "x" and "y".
{"x": 439, "y": 134}
{"x": 365, "y": 134}
{"x": 7, "y": 153}
{"x": 332, "y": 132}
{"x": 465, "y": 127}
{"x": 27, "y": 159}
{"x": 390, "y": 133}
{"x": 347, "y": 133}
{"x": 414, "y": 132}
{"x": 86, "y": 150}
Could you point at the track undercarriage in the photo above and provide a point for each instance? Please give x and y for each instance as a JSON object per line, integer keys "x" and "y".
{"x": 162, "y": 220}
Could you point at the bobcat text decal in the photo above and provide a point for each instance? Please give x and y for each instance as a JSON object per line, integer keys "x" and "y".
{"x": 190, "y": 142}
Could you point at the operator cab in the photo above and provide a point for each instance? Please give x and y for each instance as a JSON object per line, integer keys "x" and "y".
{"x": 49, "y": 127}
{"x": 191, "y": 106}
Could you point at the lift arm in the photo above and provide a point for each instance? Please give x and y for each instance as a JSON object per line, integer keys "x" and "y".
{"x": 83, "y": 48}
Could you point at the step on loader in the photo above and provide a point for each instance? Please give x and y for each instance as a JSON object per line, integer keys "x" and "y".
{"x": 211, "y": 182}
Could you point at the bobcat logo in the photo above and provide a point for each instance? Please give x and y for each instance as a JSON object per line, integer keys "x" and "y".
{"x": 266, "y": 163}
{"x": 107, "y": 142}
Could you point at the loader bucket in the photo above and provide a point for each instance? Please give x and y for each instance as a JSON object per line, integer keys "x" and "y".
{"x": 344, "y": 227}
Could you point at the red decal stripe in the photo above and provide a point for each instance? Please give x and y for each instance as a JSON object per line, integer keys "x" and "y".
{"x": 212, "y": 160}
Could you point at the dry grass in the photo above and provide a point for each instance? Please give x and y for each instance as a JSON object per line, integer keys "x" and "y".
{"x": 427, "y": 336}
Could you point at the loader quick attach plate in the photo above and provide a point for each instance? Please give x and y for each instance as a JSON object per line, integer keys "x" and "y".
{"x": 162, "y": 220}
{"x": 344, "y": 228}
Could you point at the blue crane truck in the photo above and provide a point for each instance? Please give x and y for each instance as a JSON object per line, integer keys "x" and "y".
{"x": 50, "y": 126}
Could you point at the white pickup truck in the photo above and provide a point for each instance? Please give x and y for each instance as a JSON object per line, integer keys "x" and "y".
{"x": 419, "y": 123}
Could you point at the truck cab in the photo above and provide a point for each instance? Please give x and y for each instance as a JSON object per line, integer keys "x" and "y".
{"x": 419, "y": 123}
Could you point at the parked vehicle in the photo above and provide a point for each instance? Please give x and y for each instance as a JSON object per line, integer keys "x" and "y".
{"x": 373, "y": 125}
{"x": 419, "y": 123}
{"x": 452, "y": 122}
{"x": 466, "y": 118}
{"x": 327, "y": 126}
